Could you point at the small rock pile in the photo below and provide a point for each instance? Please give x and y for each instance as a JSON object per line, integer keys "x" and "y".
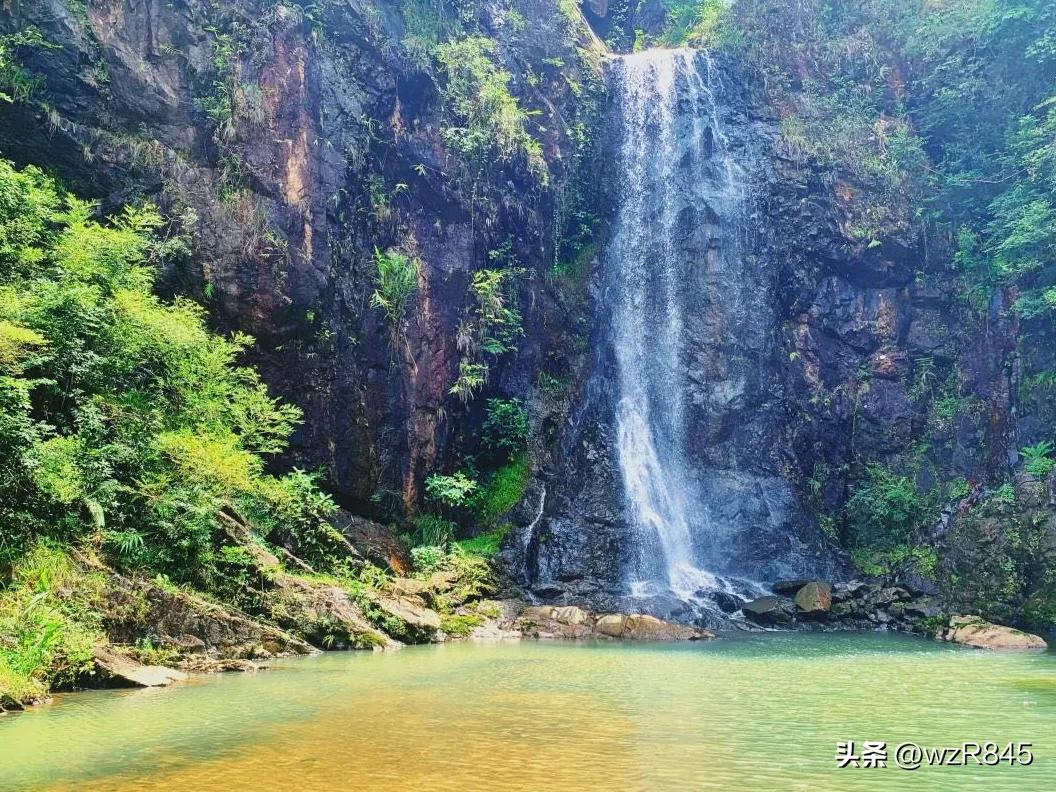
{"x": 815, "y": 604}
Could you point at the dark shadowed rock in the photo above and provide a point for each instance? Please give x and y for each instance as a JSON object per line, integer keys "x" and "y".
{"x": 788, "y": 588}
{"x": 769, "y": 610}
{"x": 727, "y": 603}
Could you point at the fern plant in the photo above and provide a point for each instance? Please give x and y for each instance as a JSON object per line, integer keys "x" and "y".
{"x": 1036, "y": 458}
{"x": 397, "y": 280}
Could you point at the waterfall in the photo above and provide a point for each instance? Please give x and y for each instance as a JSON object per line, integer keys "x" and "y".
{"x": 674, "y": 167}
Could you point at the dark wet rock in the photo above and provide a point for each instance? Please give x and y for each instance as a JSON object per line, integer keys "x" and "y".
{"x": 770, "y": 610}
{"x": 854, "y": 589}
{"x": 924, "y": 608}
{"x": 375, "y": 542}
{"x": 726, "y": 602}
{"x": 788, "y": 588}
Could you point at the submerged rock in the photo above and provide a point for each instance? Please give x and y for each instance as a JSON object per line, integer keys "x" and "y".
{"x": 976, "y": 631}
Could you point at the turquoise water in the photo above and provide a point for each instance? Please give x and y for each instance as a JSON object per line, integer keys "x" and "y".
{"x": 758, "y": 712}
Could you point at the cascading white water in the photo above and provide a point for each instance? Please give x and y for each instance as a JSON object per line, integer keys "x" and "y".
{"x": 673, "y": 157}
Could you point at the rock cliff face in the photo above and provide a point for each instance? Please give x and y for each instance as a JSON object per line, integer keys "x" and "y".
{"x": 292, "y": 140}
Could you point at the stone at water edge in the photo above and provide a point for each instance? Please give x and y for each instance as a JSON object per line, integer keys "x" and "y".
{"x": 549, "y": 621}
{"x": 642, "y": 627}
{"x": 127, "y": 670}
{"x": 976, "y": 631}
{"x": 814, "y": 599}
{"x": 410, "y": 612}
{"x": 769, "y": 610}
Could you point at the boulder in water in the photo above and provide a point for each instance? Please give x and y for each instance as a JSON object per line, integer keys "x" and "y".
{"x": 642, "y": 627}
{"x": 769, "y": 610}
{"x": 814, "y": 599}
{"x": 978, "y": 632}
{"x": 548, "y": 621}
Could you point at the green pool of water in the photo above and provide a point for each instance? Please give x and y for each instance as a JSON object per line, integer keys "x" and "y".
{"x": 757, "y": 712}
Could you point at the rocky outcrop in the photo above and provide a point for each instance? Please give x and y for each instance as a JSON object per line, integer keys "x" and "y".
{"x": 410, "y": 612}
{"x": 770, "y": 610}
{"x": 977, "y": 632}
{"x": 814, "y": 599}
{"x": 119, "y": 669}
{"x": 573, "y": 623}
{"x": 854, "y": 604}
{"x": 324, "y": 614}
{"x": 185, "y": 622}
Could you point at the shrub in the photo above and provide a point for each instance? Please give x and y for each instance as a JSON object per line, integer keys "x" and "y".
{"x": 487, "y": 544}
{"x": 459, "y": 626}
{"x": 432, "y": 531}
{"x": 428, "y": 559}
{"x": 397, "y": 280}
{"x": 490, "y": 121}
{"x": 48, "y": 627}
{"x": 886, "y": 510}
{"x": 1036, "y": 459}
{"x": 122, "y": 413}
{"x": 452, "y": 491}
{"x": 503, "y": 490}
{"x": 507, "y": 425}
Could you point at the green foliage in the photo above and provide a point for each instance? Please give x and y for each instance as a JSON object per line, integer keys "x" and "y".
{"x": 886, "y": 510}
{"x": 492, "y": 328}
{"x": 452, "y": 491}
{"x": 1037, "y": 460}
{"x": 123, "y": 415}
{"x": 430, "y": 22}
{"x": 17, "y": 84}
{"x": 697, "y": 23}
{"x": 428, "y": 558}
{"x": 503, "y": 489}
{"x": 897, "y": 560}
{"x": 487, "y": 544}
{"x": 507, "y": 426}
{"x": 48, "y": 626}
{"x": 397, "y": 281}
{"x": 1005, "y": 494}
{"x": 459, "y": 626}
{"x": 489, "y": 122}
{"x": 432, "y": 531}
